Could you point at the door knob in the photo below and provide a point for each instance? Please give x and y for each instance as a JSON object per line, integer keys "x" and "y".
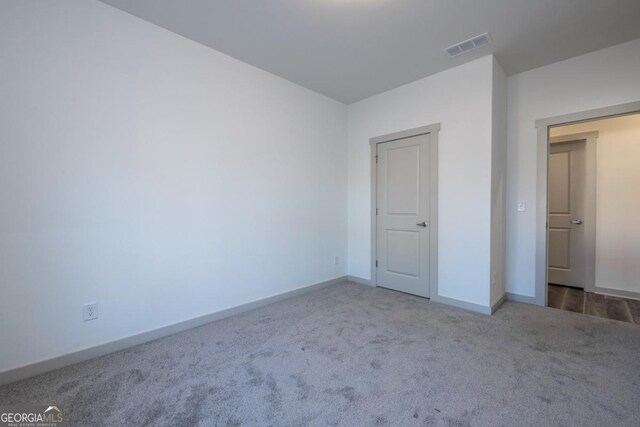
{"x": 422, "y": 224}
{"x": 576, "y": 221}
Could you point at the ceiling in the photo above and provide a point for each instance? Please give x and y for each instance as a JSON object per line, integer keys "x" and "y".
{"x": 352, "y": 49}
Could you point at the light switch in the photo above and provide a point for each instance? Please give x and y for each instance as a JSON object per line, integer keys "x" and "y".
{"x": 522, "y": 206}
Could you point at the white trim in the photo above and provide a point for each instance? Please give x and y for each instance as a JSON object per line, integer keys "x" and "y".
{"x": 498, "y": 303}
{"x": 32, "y": 369}
{"x": 360, "y": 280}
{"x": 574, "y": 137}
{"x": 617, "y": 293}
{"x": 465, "y": 305}
{"x": 434, "y": 128}
{"x": 521, "y": 298}
{"x": 590, "y": 115}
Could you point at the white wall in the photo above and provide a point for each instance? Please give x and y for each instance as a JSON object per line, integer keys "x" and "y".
{"x": 617, "y": 200}
{"x": 153, "y": 175}
{"x": 498, "y": 180}
{"x": 461, "y": 100}
{"x": 599, "y": 79}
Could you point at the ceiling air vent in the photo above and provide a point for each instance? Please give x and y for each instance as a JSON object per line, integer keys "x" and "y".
{"x": 467, "y": 45}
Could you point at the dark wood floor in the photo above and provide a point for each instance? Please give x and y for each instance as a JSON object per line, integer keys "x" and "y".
{"x": 579, "y": 301}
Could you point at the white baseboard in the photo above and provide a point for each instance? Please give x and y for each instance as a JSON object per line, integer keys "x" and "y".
{"x": 498, "y": 303}
{"x": 360, "y": 280}
{"x": 478, "y": 308}
{"x": 617, "y": 292}
{"x": 605, "y": 291}
{"x": 444, "y": 300}
{"x": 521, "y": 298}
{"x": 82, "y": 355}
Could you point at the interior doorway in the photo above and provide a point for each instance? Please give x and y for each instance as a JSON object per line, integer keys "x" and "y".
{"x": 593, "y": 202}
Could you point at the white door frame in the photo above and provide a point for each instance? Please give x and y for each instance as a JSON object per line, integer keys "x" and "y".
{"x": 432, "y": 130}
{"x": 590, "y": 139}
{"x": 542, "y": 209}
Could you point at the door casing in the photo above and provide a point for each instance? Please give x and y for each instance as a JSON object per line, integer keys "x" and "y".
{"x": 542, "y": 126}
{"x": 432, "y": 130}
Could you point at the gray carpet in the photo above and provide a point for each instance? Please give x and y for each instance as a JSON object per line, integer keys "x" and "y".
{"x": 353, "y": 355}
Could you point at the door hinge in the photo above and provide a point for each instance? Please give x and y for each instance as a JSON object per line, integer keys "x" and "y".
{"x": 376, "y": 158}
{"x": 376, "y": 263}
{"x": 376, "y": 211}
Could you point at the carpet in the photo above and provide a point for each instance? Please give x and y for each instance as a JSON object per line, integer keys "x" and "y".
{"x": 353, "y": 355}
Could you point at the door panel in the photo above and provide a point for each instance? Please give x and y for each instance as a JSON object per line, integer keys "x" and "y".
{"x": 403, "y": 252}
{"x": 559, "y": 248}
{"x": 567, "y": 176}
{"x": 559, "y": 171}
{"x": 402, "y": 205}
{"x": 402, "y": 172}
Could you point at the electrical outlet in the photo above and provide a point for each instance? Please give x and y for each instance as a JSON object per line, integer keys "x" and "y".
{"x": 90, "y": 311}
{"x": 337, "y": 260}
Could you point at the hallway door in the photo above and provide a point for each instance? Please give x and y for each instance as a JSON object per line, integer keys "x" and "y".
{"x": 566, "y": 214}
